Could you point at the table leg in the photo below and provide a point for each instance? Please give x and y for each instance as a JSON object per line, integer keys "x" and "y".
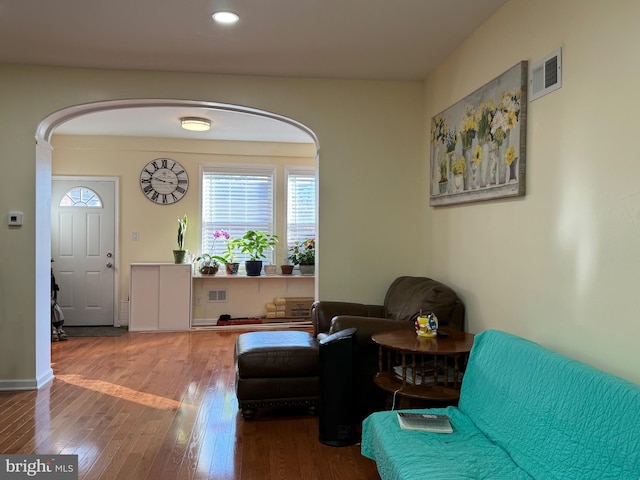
{"x": 404, "y": 369}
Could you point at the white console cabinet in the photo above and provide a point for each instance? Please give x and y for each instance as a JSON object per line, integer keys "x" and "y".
{"x": 160, "y": 297}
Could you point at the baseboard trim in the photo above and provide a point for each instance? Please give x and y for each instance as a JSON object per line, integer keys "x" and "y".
{"x": 254, "y": 326}
{"x": 26, "y": 384}
{"x": 45, "y": 378}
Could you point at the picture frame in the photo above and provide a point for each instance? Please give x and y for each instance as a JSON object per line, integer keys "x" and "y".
{"x": 478, "y": 145}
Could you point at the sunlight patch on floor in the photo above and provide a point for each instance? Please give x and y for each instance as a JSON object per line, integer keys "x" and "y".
{"x": 125, "y": 393}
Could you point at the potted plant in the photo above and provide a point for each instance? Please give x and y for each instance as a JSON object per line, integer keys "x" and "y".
{"x": 287, "y": 269}
{"x": 208, "y": 263}
{"x": 180, "y": 255}
{"x": 230, "y": 256}
{"x": 303, "y": 253}
{"x": 255, "y": 243}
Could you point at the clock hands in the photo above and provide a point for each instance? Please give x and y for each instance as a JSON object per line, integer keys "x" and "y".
{"x": 170, "y": 181}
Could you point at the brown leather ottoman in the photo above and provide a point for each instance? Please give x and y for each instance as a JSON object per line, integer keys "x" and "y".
{"x": 276, "y": 368}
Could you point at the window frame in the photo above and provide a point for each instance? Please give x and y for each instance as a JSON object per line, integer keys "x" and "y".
{"x": 239, "y": 169}
{"x": 306, "y": 171}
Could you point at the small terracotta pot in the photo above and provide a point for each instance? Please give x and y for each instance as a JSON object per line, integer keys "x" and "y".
{"x": 286, "y": 269}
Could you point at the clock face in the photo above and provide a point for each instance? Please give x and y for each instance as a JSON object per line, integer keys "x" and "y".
{"x": 164, "y": 181}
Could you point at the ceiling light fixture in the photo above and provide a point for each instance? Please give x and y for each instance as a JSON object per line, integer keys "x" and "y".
{"x": 195, "y": 124}
{"x": 225, "y": 17}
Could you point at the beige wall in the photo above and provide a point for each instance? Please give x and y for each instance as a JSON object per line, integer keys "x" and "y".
{"x": 561, "y": 265}
{"x": 156, "y": 225}
{"x": 371, "y": 181}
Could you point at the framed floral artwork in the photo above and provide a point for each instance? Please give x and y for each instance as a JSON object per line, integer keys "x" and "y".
{"x": 478, "y": 145}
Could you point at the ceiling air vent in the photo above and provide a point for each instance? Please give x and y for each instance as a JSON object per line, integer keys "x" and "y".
{"x": 546, "y": 75}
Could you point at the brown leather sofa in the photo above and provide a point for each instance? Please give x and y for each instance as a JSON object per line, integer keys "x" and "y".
{"x": 404, "y": 300}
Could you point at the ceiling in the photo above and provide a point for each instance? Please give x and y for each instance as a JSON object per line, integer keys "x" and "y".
{"x": 346, "y": 39}
{"x": 165, "y": 122}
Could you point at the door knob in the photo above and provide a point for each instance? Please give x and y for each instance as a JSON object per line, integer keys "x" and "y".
{"x": 109, "y": 265}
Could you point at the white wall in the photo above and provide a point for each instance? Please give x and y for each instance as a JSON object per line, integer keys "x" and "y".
{"x": 561, "y": 265}
{"x": 371, "y": 196}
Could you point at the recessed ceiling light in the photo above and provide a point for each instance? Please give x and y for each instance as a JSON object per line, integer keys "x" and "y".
{"x": 225, "y": 17}
{"x": 195, "y": 124}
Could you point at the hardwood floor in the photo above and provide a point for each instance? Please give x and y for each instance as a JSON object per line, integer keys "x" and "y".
{"x": 162, "y": 406}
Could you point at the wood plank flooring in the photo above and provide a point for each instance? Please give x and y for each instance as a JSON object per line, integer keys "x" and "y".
{"x": 162, "y": 406}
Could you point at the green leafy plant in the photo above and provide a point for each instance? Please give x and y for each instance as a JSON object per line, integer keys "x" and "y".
{"x": 303, "y": 252}
{"x": 230, "y": 253}
{"x": 255, "y": 243}
{"x": 182, "y": 228}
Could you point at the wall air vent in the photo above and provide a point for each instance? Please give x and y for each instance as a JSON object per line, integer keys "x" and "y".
{"x": 217, "y": 296}
{"x": 546, "y": 75}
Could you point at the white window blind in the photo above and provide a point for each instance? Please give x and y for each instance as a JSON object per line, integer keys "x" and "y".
{"x": 236, "y": 200}
{"x": 301, "y": 205}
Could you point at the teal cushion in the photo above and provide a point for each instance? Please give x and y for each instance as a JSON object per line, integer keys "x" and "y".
{"x": 411, "y": 455}
{"x": 557, "y": 418}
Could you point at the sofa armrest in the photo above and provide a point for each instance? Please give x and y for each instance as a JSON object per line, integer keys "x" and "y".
{"x": 367, "y": 326}
{"x": 322, "y": 312}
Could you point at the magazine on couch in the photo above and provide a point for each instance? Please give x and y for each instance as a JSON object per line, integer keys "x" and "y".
{"x": 426, "y": 422}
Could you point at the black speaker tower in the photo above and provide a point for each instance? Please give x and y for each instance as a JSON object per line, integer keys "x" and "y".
{"x": 337, "y": 407}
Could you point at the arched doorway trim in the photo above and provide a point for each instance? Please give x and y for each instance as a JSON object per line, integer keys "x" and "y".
{"x": 49, "y": 124}
{"x": 44, "y": 131}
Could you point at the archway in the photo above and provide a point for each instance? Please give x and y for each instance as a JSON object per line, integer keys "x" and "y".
{"x": 43, "y": 175}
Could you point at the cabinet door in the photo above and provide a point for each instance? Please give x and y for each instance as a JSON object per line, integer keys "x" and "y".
{"x": 174, "y": 297}
{"x": 143, "y": 304}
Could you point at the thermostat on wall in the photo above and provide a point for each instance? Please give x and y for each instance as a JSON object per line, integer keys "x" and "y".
{"x": 14, "y": 219}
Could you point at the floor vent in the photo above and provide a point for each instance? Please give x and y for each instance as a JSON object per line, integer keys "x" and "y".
{"x": 546, "y": 75}
{"x": 217, "y": 296}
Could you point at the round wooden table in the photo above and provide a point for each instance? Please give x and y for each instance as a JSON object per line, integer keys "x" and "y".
{"x": 426, "y": 368}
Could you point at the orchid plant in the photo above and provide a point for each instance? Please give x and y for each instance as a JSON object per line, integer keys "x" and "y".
{"x": 213, "y": 259}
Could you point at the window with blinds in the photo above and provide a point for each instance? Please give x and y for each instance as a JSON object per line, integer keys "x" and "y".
{"x": 301, "y": 205}
{"x": 236, "y": 200}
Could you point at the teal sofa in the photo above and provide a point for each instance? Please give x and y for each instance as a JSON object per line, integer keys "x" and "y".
{"x": 524, "y": 412}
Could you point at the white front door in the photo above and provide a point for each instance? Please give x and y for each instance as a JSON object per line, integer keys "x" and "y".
{"x": 83, "y": 248}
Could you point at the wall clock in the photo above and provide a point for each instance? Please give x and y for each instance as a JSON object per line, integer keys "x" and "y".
{"x": 164, "y": 181}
